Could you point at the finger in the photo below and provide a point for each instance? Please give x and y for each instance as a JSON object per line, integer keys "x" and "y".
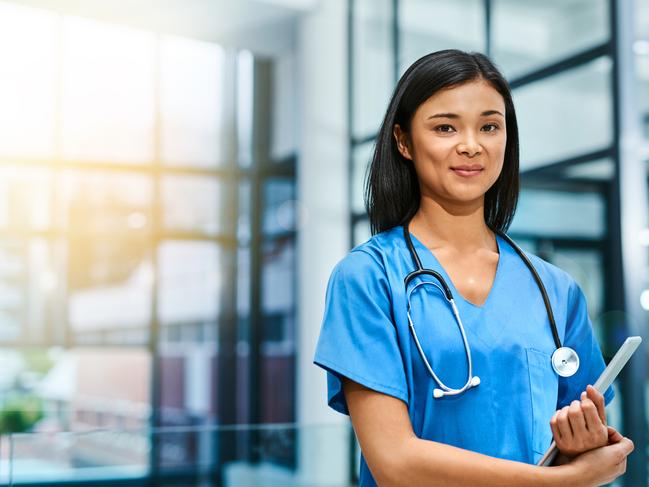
{"x": 614, "y": 435}
{"x": 593, "y": 421}
{"x": 622, "y": 449}
{"x": 626, "y": 445}
{"x": 555, "y": 428}
{"x": 577, "y": 420}
{"x": 598, "y": 398}
{"x": 563, "y": 424}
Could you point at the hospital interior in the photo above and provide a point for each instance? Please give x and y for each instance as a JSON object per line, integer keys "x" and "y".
{"x": 179, "y": 177}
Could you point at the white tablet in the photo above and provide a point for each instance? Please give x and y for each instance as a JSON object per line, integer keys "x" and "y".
{"x": 614, "y": 367}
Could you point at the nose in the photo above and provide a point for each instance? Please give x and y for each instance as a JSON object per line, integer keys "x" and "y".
{"x": 469, "y": 146}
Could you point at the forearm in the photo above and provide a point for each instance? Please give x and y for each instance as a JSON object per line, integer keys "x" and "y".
{"x": 425, "y": 463}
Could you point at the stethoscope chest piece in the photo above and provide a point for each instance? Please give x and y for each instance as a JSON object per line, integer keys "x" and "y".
{"x": 565, "y": 361}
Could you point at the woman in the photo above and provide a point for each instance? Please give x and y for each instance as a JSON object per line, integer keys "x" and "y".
{"x": 473, "y": 397}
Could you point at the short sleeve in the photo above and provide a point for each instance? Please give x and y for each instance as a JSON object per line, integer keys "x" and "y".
{"x": 580, "y": 337}
{"x": 358, "y": 338}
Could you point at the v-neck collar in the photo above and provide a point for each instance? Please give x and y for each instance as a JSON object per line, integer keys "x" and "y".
{"x": 429, "y": 255}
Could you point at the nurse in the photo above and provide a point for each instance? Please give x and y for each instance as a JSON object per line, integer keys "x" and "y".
{"x": 445, "y": 174}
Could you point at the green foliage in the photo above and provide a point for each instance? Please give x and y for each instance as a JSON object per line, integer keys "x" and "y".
{"x": 19, "y": 414}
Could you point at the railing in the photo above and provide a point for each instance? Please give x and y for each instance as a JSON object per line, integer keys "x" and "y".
{"x": 286, "y": 455}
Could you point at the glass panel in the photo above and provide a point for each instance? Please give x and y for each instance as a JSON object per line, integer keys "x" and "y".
{"x": 361, "y": 161}
{"x": 29, "y": 283}
{"x": 192, "y": 451}
{"x": 188, "y": 379}
{"x": 55, "y": 389}
{"x": 585, "y": 266}
{"x": 106, "y": 202}
{"x": 110, "y": 290}
{"x": 373, "y": 69}
{"x": 565, "y": 115}
{"x": 279, "y": 206}
{"x": 244, "y": 217}
{"x": 245, "y": 96}
{"x": 66, "y": 396}
{"x": 283, "y": 106}
{"x": 27, "y": 81}
{"x": 195, "y": 204}
{"x": 642, "y": 71}
{"x": 108, "y": 92}
{"x": 278, "y": 331}
{"x": 25, "y": 198}
{"x": 426, "y": 26}
{"x": 599, "y": 170}
{"x": 190, "y": 282}
{"x": 192, "y": 101}
{"x": 243, "y": 282}
{"x": 529, "y": 34}
{"x": 278, "y": 290}
{"x": 362, "y": 231}
{"x": 558, "y": 214}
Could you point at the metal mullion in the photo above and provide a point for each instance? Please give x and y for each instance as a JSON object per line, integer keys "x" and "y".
{"x": 155, "y": 167}
{"x": 395, "y": 41}
{"x": 356, "y": 141}
{"x": 563, "y": 65}
{"x": 488, "y": 16}
{"x": 625, "y": 277}
{"x": 607, "y": 152}
{"x": 351, "y": 441}
{"x": 256, "y": 315}
{"x": 283, "y": 167}
{"x": 561, "y": 240}
{"x": 350, "y": 114}
{"x": 154, "y": 333}
{"x": 227, "y": 241}
{"x": 225, "y": 370}
{"x": 573, "y": 185}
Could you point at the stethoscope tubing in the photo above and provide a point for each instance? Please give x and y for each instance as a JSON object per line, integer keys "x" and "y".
{"x": 567, "y": 358}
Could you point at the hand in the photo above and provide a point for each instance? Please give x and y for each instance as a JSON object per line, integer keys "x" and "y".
{"x": 581, "y": 426}
{"x": 603, "y": 465}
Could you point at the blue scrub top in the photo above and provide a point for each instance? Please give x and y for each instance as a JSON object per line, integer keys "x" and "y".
{"x": 365, "y": 337}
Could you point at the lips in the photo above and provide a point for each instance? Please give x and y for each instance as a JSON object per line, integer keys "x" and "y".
{"x": 473, "y": 167}
{"x": 467, "y": 170}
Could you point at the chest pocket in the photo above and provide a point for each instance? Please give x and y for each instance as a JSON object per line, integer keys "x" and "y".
{"x": 544, "y": 384}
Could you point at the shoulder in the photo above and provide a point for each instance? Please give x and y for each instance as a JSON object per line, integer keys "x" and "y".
{"x": 371, "y": 256}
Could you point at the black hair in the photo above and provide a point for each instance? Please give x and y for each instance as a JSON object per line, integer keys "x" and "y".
{"x": 392, "y": 195}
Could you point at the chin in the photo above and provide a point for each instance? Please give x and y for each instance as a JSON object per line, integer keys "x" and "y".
{"x": 466, "y": 197}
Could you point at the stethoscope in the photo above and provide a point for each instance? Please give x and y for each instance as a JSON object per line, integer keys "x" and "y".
{"x": 565, "y": 360}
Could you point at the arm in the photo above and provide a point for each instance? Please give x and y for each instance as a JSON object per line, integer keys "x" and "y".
{"x": 396, "y": 457}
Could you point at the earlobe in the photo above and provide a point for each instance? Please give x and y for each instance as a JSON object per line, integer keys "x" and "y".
{"x": 401, "y": 139}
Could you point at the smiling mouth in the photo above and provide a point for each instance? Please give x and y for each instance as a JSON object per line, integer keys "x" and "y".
{"x": 465, "y": 172}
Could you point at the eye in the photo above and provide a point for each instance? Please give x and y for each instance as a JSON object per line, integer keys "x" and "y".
{"x": 443, "y": 127}
{"x": 493, "y": 126}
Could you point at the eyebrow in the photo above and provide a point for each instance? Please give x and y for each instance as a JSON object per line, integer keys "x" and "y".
{"x": 486, "y": 113}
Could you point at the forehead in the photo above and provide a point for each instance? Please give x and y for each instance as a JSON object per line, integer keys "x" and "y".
{"x": 468, "y": 98}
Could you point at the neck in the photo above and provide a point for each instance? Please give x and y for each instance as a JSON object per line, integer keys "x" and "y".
{"x": 445, "y": 224}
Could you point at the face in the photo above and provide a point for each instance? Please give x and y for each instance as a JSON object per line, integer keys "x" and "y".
{"x": 457, "y": 142}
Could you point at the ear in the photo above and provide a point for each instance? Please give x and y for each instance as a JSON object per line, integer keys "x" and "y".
{"x": 403, "y": 144}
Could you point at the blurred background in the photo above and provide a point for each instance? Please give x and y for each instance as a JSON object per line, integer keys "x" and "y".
{"x": 178, "y": 178}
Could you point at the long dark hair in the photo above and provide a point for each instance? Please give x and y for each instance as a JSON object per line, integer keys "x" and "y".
{"x": 392, "y": 194}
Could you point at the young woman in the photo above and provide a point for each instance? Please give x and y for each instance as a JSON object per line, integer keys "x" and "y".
{"x": 462, "y": 372}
